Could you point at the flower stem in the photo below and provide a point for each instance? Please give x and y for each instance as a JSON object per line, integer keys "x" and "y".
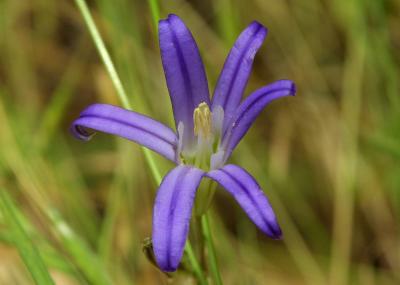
{"x": 212, "y": 258}
{"x": 195, "y": 264}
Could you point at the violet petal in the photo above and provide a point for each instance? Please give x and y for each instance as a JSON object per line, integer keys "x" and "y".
{"x": 250, "y": 197}
{"x": 171, "y": 216}
{"x": 237, "y": 68}
{"x": 250, "y": 108}
{"x": 126, "y": 124}
{"x": 184, "y": 72}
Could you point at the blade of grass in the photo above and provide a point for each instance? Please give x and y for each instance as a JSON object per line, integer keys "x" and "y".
{"x": 212, "y": 257}
{"x": 195, "y": 264}
{"x": 114, "y": 76}
{"x": 73, "y": 245}
{"x": 82, "y": 255}
{"x": 51, "y": 257}
{"x": 226, "y": 21}
{"x": 26, "y": 248}
{"x": 101, "y": 48}
{"x": 155, "y": 12}
{"x": 348, "y": 158}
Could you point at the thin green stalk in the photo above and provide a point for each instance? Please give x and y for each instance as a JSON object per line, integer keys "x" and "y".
{"x": 105, "y": 56}
{"x": 26, "y": 248}
{"x": 88, "y": 262}
{"x": 155, "y": 12}
{"x": 226, "y": 20}
{"x": 125, "y": 102}
{"x": 152, "y": 165}
{"x": 195, "y": 264}
{"x": 212, "y": 257}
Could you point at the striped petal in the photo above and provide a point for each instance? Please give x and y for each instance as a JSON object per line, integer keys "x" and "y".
{"x": 126, "y": 124}
{"x": 171, "y": 216}
{"x": 248, "y": 111}
{"x": 184, "y": 73}
{"x": 242, "y": 186}
{"x": 235, "y": 74}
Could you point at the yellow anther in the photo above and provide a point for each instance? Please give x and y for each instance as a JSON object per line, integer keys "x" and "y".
{"x": 202, "y": 120}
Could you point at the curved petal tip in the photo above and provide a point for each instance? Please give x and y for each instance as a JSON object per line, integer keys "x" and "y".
{"x": 255, "y": 25}
{"x": 275, "y": 232}
{"x": 81, "y": 133}
{"x": 293, "y": 89}
{"x": 246, "y": 191}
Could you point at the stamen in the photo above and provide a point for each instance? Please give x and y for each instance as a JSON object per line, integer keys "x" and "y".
{"x": 218, "y": 119}
{"x": 202, "y": 119}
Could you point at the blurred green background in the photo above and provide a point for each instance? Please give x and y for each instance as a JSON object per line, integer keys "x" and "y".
{"x": 328, "y": 159}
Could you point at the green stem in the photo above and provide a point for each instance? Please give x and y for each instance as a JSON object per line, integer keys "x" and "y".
{"x": 152, "y": 165}
{"x": 212, "y": 257}
{"x": 195, "y": 264}
{"x": 155, "y": 12}
{"x": 105, "y": 56}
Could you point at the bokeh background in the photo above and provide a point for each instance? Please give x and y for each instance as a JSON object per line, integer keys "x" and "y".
{"x": 328, "y": 159}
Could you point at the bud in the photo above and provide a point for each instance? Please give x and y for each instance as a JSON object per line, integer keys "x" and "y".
{"x": 147, "y": 248}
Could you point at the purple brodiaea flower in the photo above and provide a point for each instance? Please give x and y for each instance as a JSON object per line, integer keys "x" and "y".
{"x": 207, "y": 133}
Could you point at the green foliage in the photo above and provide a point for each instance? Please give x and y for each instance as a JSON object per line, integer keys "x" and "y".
{"x": 328, "y": 159}
{"x": 26, "y": 248}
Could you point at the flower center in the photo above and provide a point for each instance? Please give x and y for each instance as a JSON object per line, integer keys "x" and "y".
{"x": 202, "y": 119}
{"x": 203, "y": 131}
{"x": 206, "y": 153}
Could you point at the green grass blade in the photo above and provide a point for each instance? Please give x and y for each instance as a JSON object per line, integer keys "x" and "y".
{"x": 105, "y": 56}
{"x": 212, "y": 256}
{"x": 28, "y": 251}
{"x": 88, "y": 262}
{"x": 155, "y": 12}
{"x": 195, "y": 264}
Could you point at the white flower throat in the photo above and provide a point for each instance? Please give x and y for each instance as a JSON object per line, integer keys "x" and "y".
{"x": 207, "y": 129}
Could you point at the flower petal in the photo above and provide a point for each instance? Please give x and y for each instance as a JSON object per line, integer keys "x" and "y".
{"x": 237, "y": 68}
{"x": 127, "y": 124}
{"x": 251, "y": 107}
{"x": 184, "y": 72}
{"x": 171, "y": 216}
{"x": 250, "y": 197}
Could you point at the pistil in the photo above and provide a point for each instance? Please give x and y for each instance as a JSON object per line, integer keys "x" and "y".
{"x": 202, "y": 118}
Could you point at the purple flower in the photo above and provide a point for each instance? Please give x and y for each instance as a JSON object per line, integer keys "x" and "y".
{"x": 207, "y": 133}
